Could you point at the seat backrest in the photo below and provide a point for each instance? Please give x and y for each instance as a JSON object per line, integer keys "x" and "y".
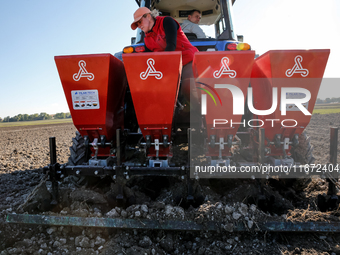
{"x": 191, "y": 36}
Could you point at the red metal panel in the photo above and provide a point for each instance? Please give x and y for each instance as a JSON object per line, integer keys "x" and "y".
{"x": 154, "y": 80}
{"x": 94, "y": 86}
{"x": 287, "y": 69}
{"x": 216, "y": 68}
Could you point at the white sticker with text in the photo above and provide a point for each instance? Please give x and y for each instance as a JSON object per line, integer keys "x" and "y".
{"x": 85, "y": 99}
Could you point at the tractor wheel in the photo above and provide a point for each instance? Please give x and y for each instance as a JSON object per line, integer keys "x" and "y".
{"x": 303, "y": 153}
{"x": 78, "y": 151}
{"x": 78, "y": 157}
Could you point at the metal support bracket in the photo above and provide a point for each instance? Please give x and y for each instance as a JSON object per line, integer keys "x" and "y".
{"x": 54, "y": 168}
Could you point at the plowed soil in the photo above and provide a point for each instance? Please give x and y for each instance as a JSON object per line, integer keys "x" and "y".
{"x": 25, "y": 150}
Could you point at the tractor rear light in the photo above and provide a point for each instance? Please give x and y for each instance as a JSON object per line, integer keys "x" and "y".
{"x": 231, "y": 46}
{"x": 243, "y": 46}
{"x": 140, "y": 49}
{"x": 128, "y": 49}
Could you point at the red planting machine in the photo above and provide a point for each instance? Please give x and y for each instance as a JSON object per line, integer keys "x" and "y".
{"x": 130, "y": 119}
{"x": 133, "y": 125}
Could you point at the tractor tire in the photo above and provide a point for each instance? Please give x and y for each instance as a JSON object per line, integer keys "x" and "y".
{"x": 303, "y": 153}
{"x": 78, "y": 151}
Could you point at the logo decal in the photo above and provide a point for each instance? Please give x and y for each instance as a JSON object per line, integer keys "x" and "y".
{"x": 151, "y": 71}
{"x": 225, "y": 69}
{"x": 297, "y": 68}
{"x": 83, "y": 72}
{"x": 207, "y": 91}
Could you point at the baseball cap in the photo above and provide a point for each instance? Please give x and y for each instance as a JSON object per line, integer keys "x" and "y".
{"x": 138, "y": 15}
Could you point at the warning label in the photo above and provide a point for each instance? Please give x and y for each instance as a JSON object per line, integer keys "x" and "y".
{"x": 85, "y": 99}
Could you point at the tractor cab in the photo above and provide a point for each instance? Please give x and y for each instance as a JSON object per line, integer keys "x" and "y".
{"x": 216, "y": 21}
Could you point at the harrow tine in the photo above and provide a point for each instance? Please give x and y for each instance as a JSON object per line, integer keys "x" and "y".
{"x": 333, "y": 158}
{"x": 53, "y": 169}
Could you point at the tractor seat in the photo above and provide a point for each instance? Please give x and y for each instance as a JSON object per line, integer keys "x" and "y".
{"x": 191, "y": 36}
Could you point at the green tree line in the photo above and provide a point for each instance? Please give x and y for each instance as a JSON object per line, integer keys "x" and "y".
{"x": 328, "y": 100}
{"x": 36, "y": 116}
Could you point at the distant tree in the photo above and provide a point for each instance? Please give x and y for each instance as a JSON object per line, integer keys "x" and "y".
{"x": 334, "y": 99}
{"x": 25, "y": 117}
{"x": 44, "y": 116}
{"x": 17, "y": 117}
{"x": 60, "y": 115}
{"x": 34, "y": 116}
{"x": 319, "y": 101}
{"x": 327, "y": 100}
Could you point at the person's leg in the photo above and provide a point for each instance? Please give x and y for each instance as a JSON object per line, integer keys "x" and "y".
{"x": 189, "y": 95}
{"x": 188, "y": 90}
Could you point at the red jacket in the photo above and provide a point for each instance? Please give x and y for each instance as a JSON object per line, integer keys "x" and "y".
{"x": 155, "y": 41}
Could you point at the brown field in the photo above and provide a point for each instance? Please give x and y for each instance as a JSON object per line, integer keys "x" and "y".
{"x": 24, "y": 149}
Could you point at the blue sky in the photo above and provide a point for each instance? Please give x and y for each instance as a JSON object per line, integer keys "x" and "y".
{"x": 33, "y": 32}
